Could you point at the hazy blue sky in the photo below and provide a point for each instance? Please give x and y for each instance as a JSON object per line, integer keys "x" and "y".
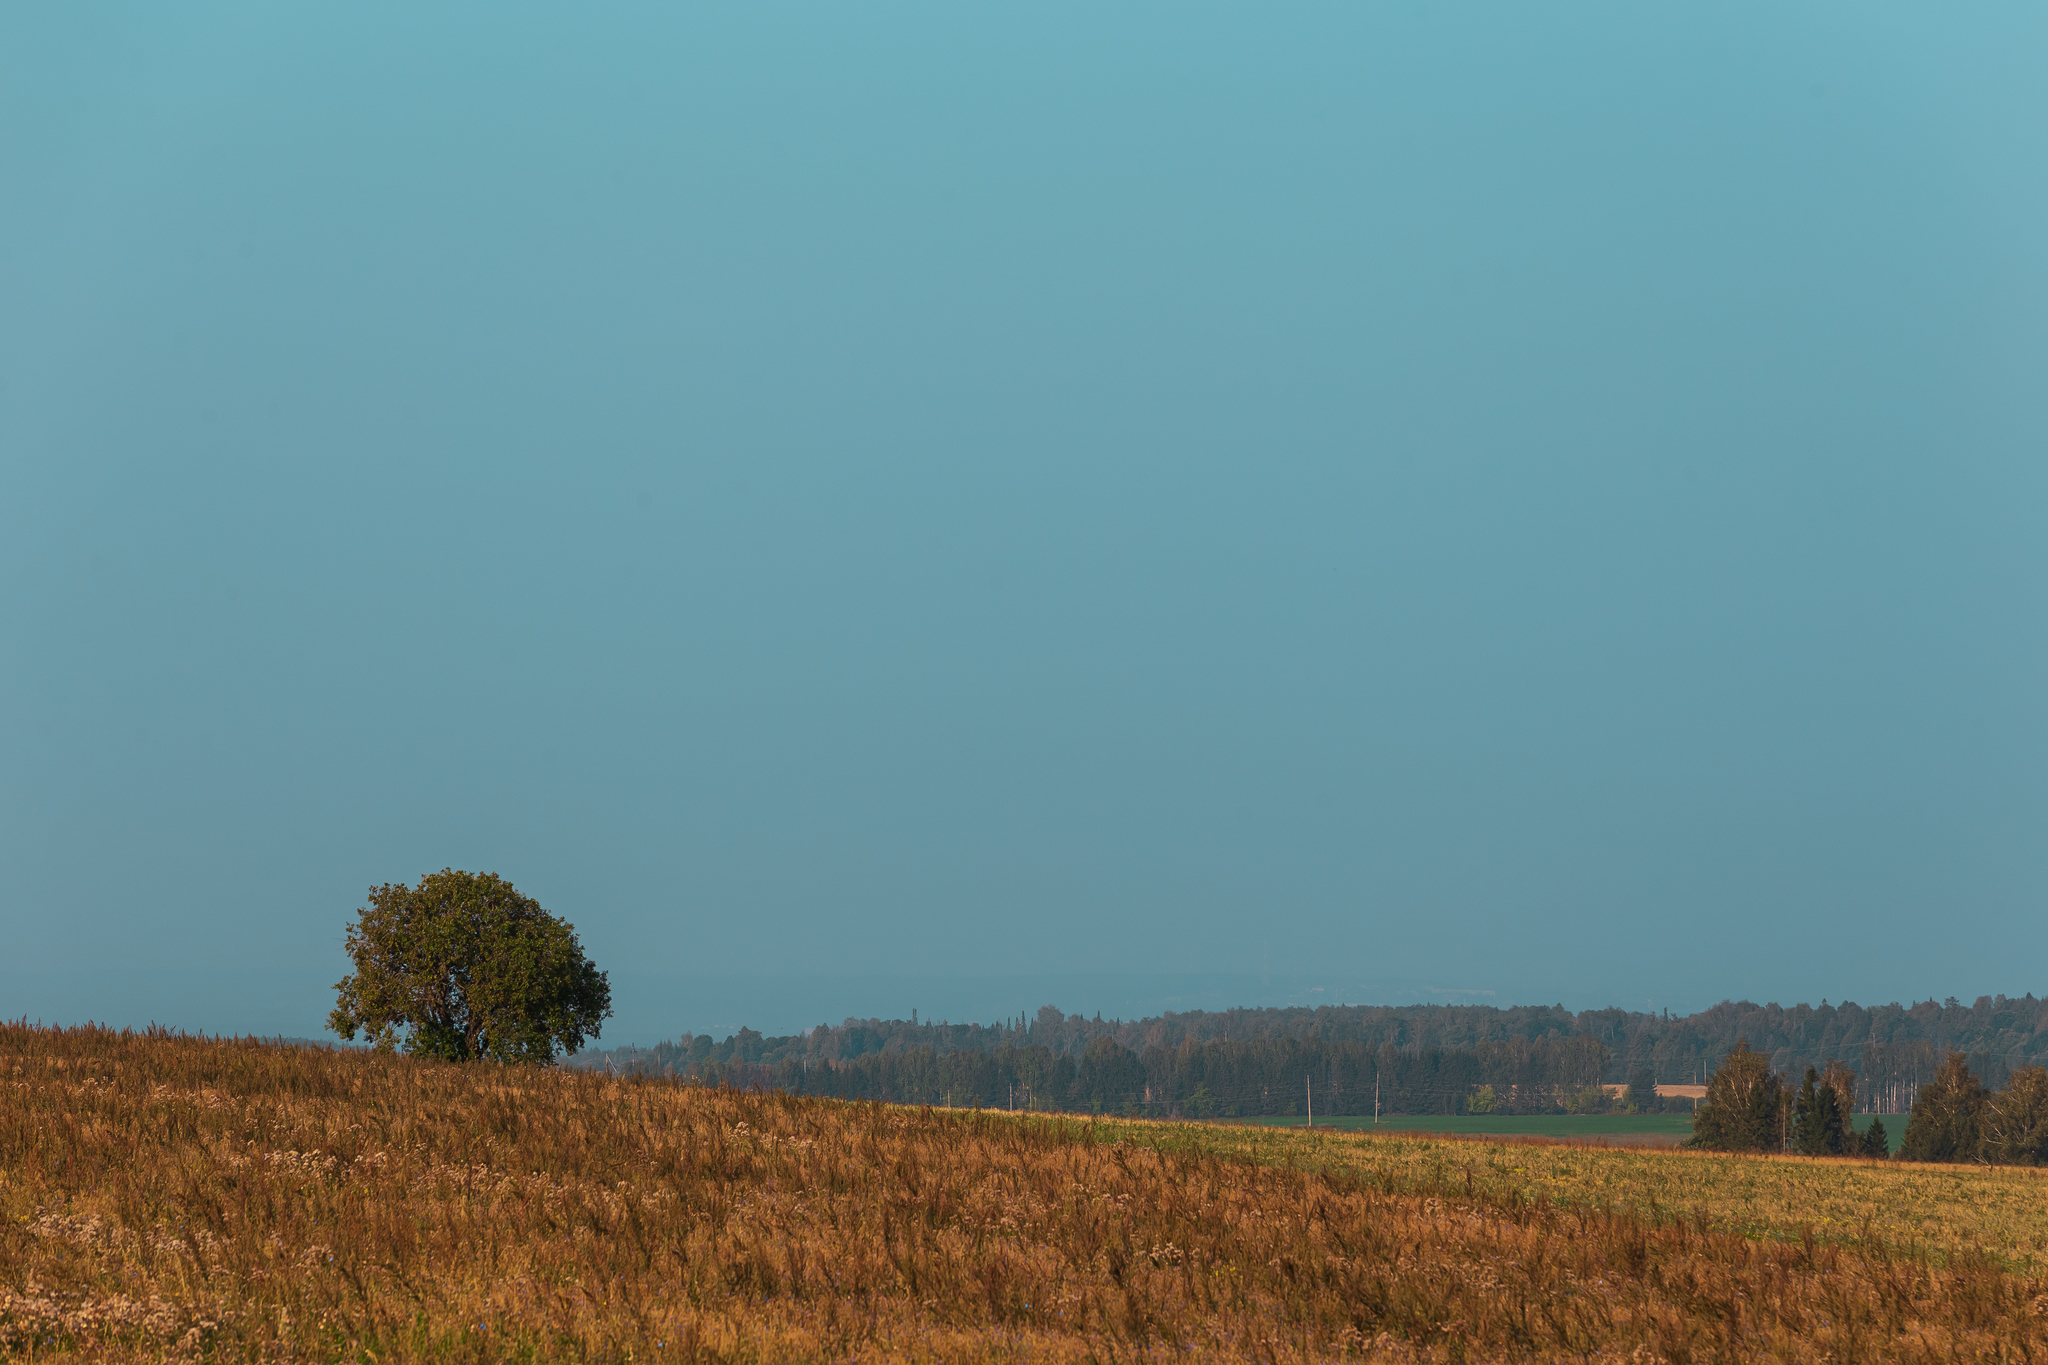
{"x": 861, "y": 506}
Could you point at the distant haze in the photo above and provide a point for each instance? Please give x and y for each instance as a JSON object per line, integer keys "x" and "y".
{"x": 961, "y": 508}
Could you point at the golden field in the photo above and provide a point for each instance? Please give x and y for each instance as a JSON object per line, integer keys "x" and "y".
{"x": 164, "y": 1198}
{"x": 1934, "y": 1211}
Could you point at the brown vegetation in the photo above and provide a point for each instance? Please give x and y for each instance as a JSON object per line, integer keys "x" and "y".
{"x": 175, "y": 1198}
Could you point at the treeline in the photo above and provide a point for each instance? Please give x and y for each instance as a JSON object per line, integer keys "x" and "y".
{"x": 1277, "y": 1076}
{"x": 1750, "y": 1108}
{"x": 1955, "y": 1116}
{"x": 1889, "y": 1051}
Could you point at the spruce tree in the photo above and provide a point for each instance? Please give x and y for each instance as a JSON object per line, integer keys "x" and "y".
{"x": 1807, "y": 1137}
{"x": 1821, "y": 1126}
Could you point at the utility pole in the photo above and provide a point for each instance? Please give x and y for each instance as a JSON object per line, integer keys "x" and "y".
{"x": 1311, "y": 1101}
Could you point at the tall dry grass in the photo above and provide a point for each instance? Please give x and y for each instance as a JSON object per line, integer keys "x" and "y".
{"x": 167, "y": 1198}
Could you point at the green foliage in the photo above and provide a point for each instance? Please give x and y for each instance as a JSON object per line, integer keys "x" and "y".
{"x": 1426, "y": 1059}
{"x": 995, "y": 1068}
{"x": 1947, "y": 1119}
{"x": 1586, "y": 1099}
{"x": 469, "y": 968}
{"x": 1642, "y": 1091}
{"x": 1000, "y": 1066}
{"x": 2015, "y": 1122}
{"x": 1109, "y": 1078}
{"x": 1745, "y": 1108}
{"x": 1875, "y": 1142}
{"x": 1820, "y": 1124}
{"x": 1807, "y": 1139}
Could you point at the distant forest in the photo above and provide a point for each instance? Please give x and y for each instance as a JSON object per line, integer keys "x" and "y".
{"x": 1415, "y": 1059}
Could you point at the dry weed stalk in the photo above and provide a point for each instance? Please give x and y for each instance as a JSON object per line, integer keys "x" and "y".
{"x": 170, "y": 1198}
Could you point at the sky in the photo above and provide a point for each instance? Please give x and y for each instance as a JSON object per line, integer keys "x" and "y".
{"x": 862, "y": 508}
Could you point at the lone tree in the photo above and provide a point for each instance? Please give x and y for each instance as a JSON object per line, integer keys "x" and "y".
{"x": 470, "y": 968}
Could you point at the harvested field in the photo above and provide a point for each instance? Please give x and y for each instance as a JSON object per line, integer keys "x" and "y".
{"x": 167, "y": 1198}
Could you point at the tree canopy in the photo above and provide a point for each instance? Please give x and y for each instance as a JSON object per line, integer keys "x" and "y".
{"x": 1947, "y": 1116}
{"x": 1820, "y": 1125}
{"x": 1745, "y": 1110}
{"x": 2014, "y": 1130}
{"x": 468, "y": 968}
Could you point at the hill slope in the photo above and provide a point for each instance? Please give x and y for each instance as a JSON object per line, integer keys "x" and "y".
{"x": 173, "y": 1198}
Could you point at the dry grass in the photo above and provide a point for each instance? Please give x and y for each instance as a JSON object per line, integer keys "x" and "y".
{"x": 175, "y": 1199}
{"x": 1923, "y": 1210}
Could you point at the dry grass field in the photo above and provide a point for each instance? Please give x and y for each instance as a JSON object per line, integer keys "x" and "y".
{"x": 172, "y": 1199}
{"x": 1921, "y": 1210}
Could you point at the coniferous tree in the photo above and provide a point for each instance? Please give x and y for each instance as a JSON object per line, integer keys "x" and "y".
{"x": 1948, "y": 1116}
{"x": 1832, "y": 1116}
{"x": 1875, "y": 1142}
{"x": 1821, "y": 1125}
{"x": 1809, "y": 1132}
{"x": 1835, "y": 1131}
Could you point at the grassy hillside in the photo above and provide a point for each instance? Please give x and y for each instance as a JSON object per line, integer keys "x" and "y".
{"x": 1567, "y": 1127}
{"x": 1563, "y": 1126}
{"x": 1935, "y": 1212}
{"x": 164, "y": 1198}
